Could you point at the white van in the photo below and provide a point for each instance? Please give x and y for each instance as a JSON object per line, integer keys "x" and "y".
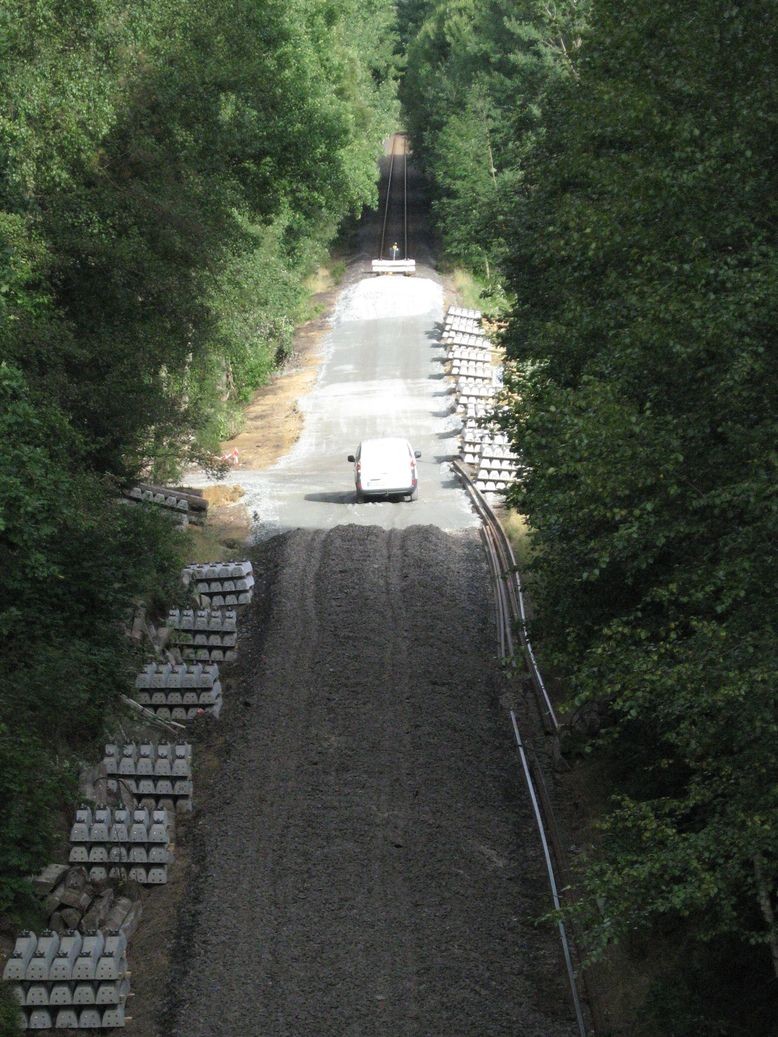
{"x": 385, "y": 468}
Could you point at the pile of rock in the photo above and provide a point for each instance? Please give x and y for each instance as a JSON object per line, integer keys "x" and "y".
{"x": 71, "y": 901}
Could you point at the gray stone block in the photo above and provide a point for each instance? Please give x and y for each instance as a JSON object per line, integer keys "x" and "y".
{"x": 67, "y": 1019}
{"x": 90, "y": 1019}
{"x": 116, "y": 939}
{"x": 112, "y": 966}
{"x": 84, "y": 994}
{"x": 98, "y": 833}
{"x": 49, "y": 878}
{"x": 92, "y": 949}
{"x": 37, "y": 995}
{"x": 119, "y": 832}
{"x": 43, "y": 955}
{"x": 158, "y": 833}
{"x": 69, "y": 949}
{"x": 39, "y": 1019}
{"x": 79, "y": 832}
{"x": 110, "y": 993}
{"x": 114, "y": 1016}
{"x": 60, "y": 994}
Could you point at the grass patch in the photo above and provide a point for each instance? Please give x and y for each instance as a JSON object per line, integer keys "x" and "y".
{"x": 204, "y": 544}
{"x": 337, "y": 270}
{"x": 326, "y": 277}
{"x": 519, "y": 534}
{"x": 468, "y": 287}
{"x": 478, "y": 293}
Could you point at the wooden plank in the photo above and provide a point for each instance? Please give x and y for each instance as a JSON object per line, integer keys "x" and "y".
{"x": 394, "y": 266}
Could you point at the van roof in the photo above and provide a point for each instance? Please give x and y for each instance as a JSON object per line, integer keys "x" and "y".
{"x": 386, "y": 445}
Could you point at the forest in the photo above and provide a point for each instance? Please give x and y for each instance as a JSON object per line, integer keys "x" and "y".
{"x": 608, "y": 170}
{"x": 170, "y": 175}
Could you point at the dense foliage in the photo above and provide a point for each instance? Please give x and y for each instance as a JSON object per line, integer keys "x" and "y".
{"x": 476, "y": 78}
{"x": 636, "y": 236}
{"x": 170, "y": 173}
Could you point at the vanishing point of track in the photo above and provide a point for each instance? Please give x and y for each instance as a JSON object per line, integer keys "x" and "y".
{"x": 395, "y": 208}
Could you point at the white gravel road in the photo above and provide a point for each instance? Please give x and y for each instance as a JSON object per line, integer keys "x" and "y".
{"x": 381, "y": 374}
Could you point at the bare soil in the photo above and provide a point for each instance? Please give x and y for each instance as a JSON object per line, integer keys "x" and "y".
{"x": 272, "y": 421}
{"x": 363, "y": 856}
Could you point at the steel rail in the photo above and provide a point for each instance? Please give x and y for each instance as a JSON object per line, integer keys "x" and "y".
{"x": 391, "y": 181}
{"x": 510, "y": 611}
{"x": 509, "y": 575}
{"x": 387, "y": 201}
{"x": 565, "y": 940}
{"x": 405, "y": 200}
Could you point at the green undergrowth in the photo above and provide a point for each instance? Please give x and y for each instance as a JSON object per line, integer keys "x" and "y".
{"x": 519, "y": 534}
{"x": 478, "y": 293}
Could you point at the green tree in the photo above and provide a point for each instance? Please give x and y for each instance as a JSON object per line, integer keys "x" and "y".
{"x": 170, "y": 173}
{"x": 644, "y": 400}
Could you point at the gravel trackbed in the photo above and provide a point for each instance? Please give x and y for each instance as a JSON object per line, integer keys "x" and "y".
{"x": 364, "y": 860}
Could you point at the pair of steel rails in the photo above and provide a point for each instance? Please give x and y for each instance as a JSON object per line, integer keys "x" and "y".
{"x": 512, "y": 626}
{"x": 395, "y": 181}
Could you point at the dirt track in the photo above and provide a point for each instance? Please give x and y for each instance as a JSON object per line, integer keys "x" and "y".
{"x": 364, "y": 861}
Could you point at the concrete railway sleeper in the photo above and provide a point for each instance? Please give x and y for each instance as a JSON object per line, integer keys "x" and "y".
{"x": 78, "y": 977}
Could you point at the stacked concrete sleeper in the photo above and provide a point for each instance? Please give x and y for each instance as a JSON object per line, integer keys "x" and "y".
{"x": 476, "y": 381}
{"x": 69, "y": 981}
{"x": 158, "y": 776}
{"x": 117, "y": 843}
{"x": 204, "y": 635}
{"x": 179, "y": 691}
{"x": 219, "y": 584}
{"x": 81, "y": 981}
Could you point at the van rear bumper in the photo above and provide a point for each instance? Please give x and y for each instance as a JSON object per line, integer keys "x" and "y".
{"x": 386, "y": 491}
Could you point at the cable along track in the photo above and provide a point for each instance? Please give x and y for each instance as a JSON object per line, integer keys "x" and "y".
{"x": 511, "y": 615}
